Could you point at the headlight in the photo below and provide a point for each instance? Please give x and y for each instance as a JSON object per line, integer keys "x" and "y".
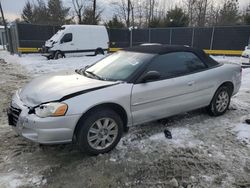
{"x": 51, "y": 110}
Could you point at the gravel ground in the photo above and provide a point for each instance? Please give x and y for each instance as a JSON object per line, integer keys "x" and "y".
{"x": 204, "y": 152}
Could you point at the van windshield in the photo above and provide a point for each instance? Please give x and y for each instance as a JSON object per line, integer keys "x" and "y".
{"x": 118, "y": 66}
{"x": 56, "y": 36}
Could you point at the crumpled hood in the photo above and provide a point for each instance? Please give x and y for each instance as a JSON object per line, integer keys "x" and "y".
{"x": 48, "y": 44}
{"x": 54, "y": 86}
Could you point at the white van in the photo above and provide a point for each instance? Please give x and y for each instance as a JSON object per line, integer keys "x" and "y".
{"x": 71, "y": 39}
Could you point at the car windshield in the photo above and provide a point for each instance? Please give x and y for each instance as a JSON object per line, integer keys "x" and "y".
{"x": 118, "y": 66}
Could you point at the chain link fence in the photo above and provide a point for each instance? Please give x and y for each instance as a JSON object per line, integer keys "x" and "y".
{"x": 211, "y": 38}
{"x": 28, "y": 36}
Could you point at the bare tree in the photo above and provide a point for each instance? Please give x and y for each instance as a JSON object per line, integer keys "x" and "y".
{"x": 201, "y": 12}
{"x": 149, "y": 9}
{"x": 197, "y": 11}
{"x": 124, "y": 9}
{"x": 213, "y": 14}
{"x": 190, "y": 7}
{"x": 79, "y": 9}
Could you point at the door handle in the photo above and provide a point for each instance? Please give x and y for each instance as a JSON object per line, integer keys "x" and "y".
{"x": 71, "y": 44}
{"x": 191, "y": 83}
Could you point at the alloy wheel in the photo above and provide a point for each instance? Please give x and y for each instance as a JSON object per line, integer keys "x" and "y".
{"x": 222, "y": 101}
{"x": 102, "y": 133}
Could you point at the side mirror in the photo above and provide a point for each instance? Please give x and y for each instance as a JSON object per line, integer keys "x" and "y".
{"x": 150, "y": 76}
{"x": 246, "y": 47}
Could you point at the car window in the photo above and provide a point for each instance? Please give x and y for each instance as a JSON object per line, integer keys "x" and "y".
{"x": 67, "y": 38}
{"x": 176, "y": 64}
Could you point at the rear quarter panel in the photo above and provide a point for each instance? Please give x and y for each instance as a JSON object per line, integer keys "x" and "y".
{"x": 227, "y": 73}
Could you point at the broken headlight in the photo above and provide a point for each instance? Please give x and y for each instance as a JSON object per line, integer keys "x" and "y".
{"x": 52, "y": 109}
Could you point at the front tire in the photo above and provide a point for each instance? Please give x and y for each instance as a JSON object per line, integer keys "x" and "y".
{"x": 220, "y": 102}
{"x": 58, "y": 55}
{"x": 99, "y": 51}
{"x": 99, "y": 132}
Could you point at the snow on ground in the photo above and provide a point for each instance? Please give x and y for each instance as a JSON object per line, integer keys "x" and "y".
{"x": 181, "y": 137}
{"x": 227, "y": 59}
{"x": 243, "y": 132}
{"x": 14, "y": 180}
{"x": 38, "y": 65}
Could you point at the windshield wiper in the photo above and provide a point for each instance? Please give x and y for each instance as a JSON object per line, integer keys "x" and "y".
{"x": 94, "y": 75}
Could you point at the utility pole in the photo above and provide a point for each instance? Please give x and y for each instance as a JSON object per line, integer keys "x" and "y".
{"x": 94, "y": 11}
{"x": 4, "y": 23}
{"x": 128, "y": 16}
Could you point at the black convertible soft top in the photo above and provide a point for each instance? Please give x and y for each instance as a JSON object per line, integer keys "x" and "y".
{"x": 164, "y": 49}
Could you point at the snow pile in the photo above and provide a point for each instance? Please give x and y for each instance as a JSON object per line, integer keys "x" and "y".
{"x": 243, "y": 133}
{"x": 14, "y": 180}
{"x": 181, "y": 137}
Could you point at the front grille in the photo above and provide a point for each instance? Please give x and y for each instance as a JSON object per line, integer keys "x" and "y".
{"x": 13, "y": 115}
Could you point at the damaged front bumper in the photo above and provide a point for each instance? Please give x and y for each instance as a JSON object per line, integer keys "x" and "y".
{"x": 50, "y": 130}
{"x": 46, "y": 52}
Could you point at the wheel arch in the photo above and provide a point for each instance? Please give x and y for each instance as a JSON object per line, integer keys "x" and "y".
{"x": 210, "y": 108}
{"x": 113, "y": 106}
{"x": 229, "y": 85}
{"x": 99, "y": 50}
{"x": 61, "y": 52}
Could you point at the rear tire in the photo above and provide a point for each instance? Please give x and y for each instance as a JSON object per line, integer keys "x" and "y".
{"x": 99, "y": 132}
{"x": 220, "y": 102}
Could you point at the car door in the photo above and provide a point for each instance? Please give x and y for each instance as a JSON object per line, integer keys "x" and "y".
{"x": 205, "y": 80}
{"x": 171, "y": 94}
{"x": 67, "y": 42}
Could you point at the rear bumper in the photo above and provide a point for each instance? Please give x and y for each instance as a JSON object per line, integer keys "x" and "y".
{"x": 51, "y": 130}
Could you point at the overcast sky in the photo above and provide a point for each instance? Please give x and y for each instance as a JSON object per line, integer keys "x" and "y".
{"x": 13, "y": 8}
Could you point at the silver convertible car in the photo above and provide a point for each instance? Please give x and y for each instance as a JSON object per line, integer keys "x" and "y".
{"x": 93, "y": 106}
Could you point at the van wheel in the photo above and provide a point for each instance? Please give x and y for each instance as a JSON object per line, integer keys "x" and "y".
{"x": 100, "y": 132}
{"x": 220, "y": 102}
{"x": 59, "y": 55}
{"x": 99, "y": 51}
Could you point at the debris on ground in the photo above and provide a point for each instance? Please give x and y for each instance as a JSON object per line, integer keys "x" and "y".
{"x": 248, "y": 121}
{"x": 168, "y": 134}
